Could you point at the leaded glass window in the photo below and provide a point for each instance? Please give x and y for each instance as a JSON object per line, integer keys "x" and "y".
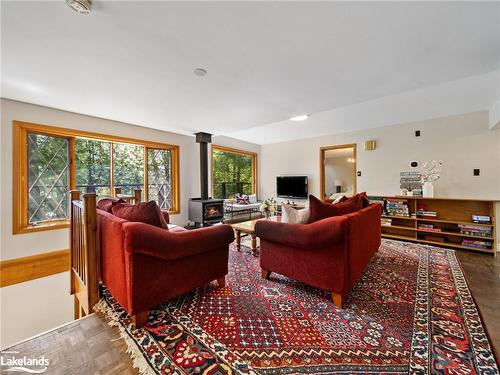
{"x": 48, "y": 178}
{"x": 160, "y": 177}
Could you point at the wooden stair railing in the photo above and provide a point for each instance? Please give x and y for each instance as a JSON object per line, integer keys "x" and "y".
{"x": 85, "y": 272}
{"x": 84, "y": 251}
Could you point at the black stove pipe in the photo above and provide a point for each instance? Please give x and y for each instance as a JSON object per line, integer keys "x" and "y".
{"x": 204, "y": 139}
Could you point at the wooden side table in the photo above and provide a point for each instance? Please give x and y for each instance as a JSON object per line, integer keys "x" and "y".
{"x": 248, "y": 227}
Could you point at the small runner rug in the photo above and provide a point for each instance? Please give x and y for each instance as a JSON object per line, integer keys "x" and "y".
{"x": 411, "y": 312}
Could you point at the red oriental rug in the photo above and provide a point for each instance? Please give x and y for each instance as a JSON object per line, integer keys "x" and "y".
{"x": 411, "y": 312}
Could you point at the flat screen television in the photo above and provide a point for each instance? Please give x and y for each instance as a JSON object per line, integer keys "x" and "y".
{"x": 291, "y": 187}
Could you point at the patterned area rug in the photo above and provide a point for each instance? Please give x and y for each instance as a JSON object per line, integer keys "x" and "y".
{"x": 411, "y": 312}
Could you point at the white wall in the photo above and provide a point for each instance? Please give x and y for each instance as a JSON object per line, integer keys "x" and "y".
{"x": 33, "y": 307}
{"x": 463, "y": 142}
{"x": 39, "y": 305}
{"x": 14, "y": 246}
{"x": 494, "y": 115}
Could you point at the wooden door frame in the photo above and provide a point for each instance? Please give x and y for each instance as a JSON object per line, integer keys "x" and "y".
{"x": 322, "y": 152}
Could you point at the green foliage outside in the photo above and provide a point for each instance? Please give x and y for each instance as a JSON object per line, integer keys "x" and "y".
{"x": 48, "y": 178}
{"x": 128, "y": 163}
{"x": 232, "y": 174}
{"x": 93, "y": 166}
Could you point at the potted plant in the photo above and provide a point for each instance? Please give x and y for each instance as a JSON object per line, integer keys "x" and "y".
{"x": 268, "y": 207}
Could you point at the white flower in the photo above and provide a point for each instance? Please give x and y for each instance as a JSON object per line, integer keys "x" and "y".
{"x": 432, "y": 172}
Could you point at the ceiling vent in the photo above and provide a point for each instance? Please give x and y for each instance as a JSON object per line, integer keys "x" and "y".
{"x": 80, "y": 6}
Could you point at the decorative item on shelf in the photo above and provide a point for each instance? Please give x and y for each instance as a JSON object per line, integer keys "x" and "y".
{"x": 268, "y": 207}
{"x": 430, "y": 173}
{"x": 410, "y": 184}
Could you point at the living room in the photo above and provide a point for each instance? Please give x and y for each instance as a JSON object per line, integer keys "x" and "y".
{"x": 218, "y": 101}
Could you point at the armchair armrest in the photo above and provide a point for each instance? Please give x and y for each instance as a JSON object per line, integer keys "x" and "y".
{"x": 140, "y": 238}
{"x": 304, "y": 236}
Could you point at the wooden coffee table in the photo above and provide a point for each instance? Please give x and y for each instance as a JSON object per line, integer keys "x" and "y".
{"x": 248, "y": 227}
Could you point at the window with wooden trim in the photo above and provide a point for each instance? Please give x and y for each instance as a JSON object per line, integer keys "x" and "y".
{"x": 49, "y": 161}
{"x": 233, "y": 172}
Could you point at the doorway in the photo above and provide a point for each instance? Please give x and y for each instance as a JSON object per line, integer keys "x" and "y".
{"x": 337, "y": 171}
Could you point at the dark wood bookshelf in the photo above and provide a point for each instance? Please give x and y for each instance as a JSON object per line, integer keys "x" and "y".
{"x": 450, "y": 214}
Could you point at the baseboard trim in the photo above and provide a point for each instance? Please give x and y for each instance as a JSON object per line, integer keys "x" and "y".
{"x": 19, "y": 270}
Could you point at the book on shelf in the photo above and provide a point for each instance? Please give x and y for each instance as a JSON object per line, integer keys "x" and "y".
{"x": 396, "y": 207}
{"x": 427, "y": 213}
{"x": 386, "y": 222}
{"x": 475, "y": 230}
{"x": 429, "y": 227}
{"x": 477, "y": 244}
{"x": 481, "y": 219}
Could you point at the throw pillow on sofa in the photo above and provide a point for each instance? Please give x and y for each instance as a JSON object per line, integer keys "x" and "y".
{"x": 242, "y": 199}
{"x": 364, "y": 198}
{"x": 146, "y": 212}
{"x": 106, "y": 204}
{"x": 292, "y": 216}
{"x": 320, "y": 210}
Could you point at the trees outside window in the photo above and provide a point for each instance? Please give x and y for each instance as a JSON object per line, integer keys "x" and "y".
{"x": 50, "y": 161}
{"x": 160, "y": 177}
{"x": 48, "y": 178}
{"x": 233, "y": 172}
{"x": 93, "y": 166}
{"x": 128, "y": 167}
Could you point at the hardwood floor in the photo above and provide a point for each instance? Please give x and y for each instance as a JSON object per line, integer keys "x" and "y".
{"x": 86, "y": 346}
{"x": 90, "y": 346}
{"x": 483, "y": 275}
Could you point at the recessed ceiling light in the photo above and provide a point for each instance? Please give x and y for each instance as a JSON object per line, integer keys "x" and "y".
{"x": 299, "y": 118}
{"x": 200, "y": 72}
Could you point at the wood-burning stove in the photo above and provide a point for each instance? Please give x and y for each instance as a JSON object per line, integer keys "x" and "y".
{"x": 205, "y": 211}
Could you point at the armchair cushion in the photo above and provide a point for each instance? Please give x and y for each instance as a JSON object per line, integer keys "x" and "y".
{"x": 320, "y": 210}
{"x": 146, "y": 212}
{"x": 170, "y": 245}
{"x": 303, "y": 236}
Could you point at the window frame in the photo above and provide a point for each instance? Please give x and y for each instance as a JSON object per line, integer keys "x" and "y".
{"x": 236, "y": 151}
{"x": 20, "y": 169}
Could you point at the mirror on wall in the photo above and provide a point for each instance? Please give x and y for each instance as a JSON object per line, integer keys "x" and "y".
{"x": 338, "y": 171}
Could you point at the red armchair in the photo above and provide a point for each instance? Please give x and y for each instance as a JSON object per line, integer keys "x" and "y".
{"x": 143, "y": 265}
{"x": 329, "y": 254}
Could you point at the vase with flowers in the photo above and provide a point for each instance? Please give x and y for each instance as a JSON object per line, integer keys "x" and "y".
{"x": 429, "y": 173}
{"x": 268, "y": 207}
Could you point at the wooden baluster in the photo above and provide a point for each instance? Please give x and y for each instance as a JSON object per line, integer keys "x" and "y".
{"x": 92, "y": 256}
{"x": 117, "y": 190}
{"x": 74, "y": 195}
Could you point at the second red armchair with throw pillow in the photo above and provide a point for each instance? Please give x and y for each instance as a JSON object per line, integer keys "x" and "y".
{"x": 330, "y": 253}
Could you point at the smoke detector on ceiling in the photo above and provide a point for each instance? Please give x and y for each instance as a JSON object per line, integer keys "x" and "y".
{"x": 80, "y": 6}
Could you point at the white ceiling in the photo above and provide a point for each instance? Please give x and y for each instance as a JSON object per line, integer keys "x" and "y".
{"x": 266, "y": 61}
